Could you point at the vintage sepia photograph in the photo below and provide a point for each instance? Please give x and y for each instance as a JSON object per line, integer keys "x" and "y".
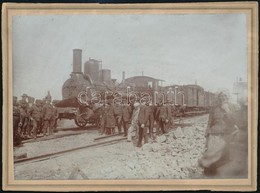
{"x": 130, "y": 97}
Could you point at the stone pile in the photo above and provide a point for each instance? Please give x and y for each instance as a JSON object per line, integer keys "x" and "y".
{"x": 173, "y": 155}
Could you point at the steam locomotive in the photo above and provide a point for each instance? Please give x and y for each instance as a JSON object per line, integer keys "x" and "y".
{"x": 96, "y": 80}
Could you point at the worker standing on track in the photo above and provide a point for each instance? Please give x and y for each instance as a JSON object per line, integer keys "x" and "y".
{"x": 151, "y": 113}
{"x": 182, "y": 112}
{"x": 126, "y": 115}
{"x": 56, "y": 115}
{"x": 102, "y": 118}
{"x": 24, "y": 118}
{"x": 163, "y": 115}
{"x": 29, "y": 128}
{"x": 48, "y": 112}
{"x": 40, "y": 129}
{"x": 109, "y": 116}
{"x": 35, "y": 116}
{"x": 134, "y": 128}
{"x": 53, "y": 120}
{"x": 118, "y": 116}
{"x": 143, "y": 122}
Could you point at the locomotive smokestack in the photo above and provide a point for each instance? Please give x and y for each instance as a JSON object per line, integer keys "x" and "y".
{"x": 77, "y": 60}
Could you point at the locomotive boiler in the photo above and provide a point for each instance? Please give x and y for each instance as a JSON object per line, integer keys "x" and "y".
{"x": 78, "y": 89}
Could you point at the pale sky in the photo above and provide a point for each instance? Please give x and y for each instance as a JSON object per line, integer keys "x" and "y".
{"x": 180, "y": 49}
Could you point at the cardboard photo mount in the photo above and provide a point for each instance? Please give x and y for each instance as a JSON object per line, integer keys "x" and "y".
{"x": 12, "y": 9}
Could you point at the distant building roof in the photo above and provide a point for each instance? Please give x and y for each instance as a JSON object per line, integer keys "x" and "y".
{"x": 140, "y": 77}
{"x": 187, "y": 85}
{"x": 194, "y": 86}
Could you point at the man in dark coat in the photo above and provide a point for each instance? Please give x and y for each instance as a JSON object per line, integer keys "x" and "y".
{"x": 118, "y": 116}
{"x": 126, "y": 116}
{"x": 109, "y": 116}
{"x": 143, "y": 122}
{"x": 151, "y": 109}
{"x": 163, "y": 115}
{"x": 40, "y": 129}
{"x": 102, "y": 118}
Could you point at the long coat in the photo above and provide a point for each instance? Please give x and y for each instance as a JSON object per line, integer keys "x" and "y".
{"x": 220, "y": 121}
{"x": 48, "y": 112}
{"x": 109, "y": 116}
{"x": 164, "y": 112}
{"x": 126, "y": 113}
{"x": 118, "y": 110}
{"x": 36, "y": 112}
{"x": 143, "y": 117}
{"x": 24, "y": 107}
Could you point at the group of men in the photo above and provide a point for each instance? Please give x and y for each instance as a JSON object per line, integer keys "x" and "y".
{"x": 138, "y": 119}
{"x": 33, "y": 117}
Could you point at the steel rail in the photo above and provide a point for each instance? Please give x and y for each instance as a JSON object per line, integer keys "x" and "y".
{"x": 50, "y": 137}
{"x": 108, "y": 136}
{"x": 57, "y": 154}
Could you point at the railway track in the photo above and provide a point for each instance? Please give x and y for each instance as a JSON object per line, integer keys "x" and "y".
{"x": 97, "y": 142}
{"x": 107, "y": 141}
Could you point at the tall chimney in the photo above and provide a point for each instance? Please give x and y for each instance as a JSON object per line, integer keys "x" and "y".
{"x": 77, "y": 60}
{"x": 123, "y": 77}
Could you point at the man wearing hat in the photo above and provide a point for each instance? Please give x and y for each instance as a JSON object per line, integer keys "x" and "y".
{"x": 54, "y": 118}
{"x": 35, "y": 115}
{"x": 163, "y": 115}
{"x": 118, "y": 116}
{"x": 24, "y": 118}
{"x": 29, "y": 128}
{"x": 41, "y": 104}
{"x": 48, "y": 113}
{"x": 143, "y": 122}
{"x": 109, "y": 115}
{"x": 102, "y": 117}
{"x": 151, "y": 109}
{"x": 134, "y": 127}
{"x": 126, "y": 115}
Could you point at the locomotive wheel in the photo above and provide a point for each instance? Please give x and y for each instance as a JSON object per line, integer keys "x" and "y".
{"x": 81, "y": 122}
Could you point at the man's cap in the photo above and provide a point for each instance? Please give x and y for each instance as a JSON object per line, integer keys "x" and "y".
{"x": 30, "y": 99}
{"x": 38, "y": 101}
{"x": 24, "y": 95}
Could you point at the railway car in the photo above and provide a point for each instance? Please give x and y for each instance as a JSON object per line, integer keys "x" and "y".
{"x": 193, "y": 97}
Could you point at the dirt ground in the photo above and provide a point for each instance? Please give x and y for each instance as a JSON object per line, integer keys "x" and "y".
{"x": 171, "y": 156}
